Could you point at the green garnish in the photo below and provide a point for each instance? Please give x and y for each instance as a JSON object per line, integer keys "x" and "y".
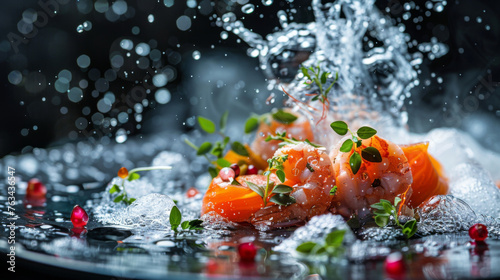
{"x": 333, "y": 191}
{"x": 385, "y": 210}
{"x": 214, "y": 152}
{"x": 369, "y": 153}
{"x": 332, "y": 246}
{"x": 320, "y": 78}
{"x": 130, "y": 176}
{"x": 281, "y": 192}
{"x": 176, "y": 218}
{"x": 282, "y": 137}
{"x": 279, "y": 115}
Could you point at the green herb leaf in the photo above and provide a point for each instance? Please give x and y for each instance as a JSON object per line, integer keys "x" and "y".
{"x": 371, "y": 154}
{"x": 204, "y": 148}
{"x": 282, "y": 199}
{"x": 175, "y": 218}
{"x": 281, "y": 175}
{"x": 333, "y": 191}
{"x": 324, "y": 76}
{"x": 410, "y": 228}
{"x": 284, "y": 117}
{"x": 206, "y": 124}
{"x": 346, "y": 146}
{"x": 118, "y": 198}
{"x": 131, "y": 200}
{"x": 366, "y": 132}
{"x": 195, "y": 224}
{"x": 305, "y": 72}
{"x": 397, "y": 200}
{"x": 381, "y": 221}
{"x": 306, "y": 247}
{"x": 258, "y": 189}
{"x": 355, "y": 162}
{"x": 213, "y": 172}
{"x": 223, "y": 163}
{"x": 282, "y": 189}
{"x": 133, "y": 176}
{"x": 235, "y": 183}
{"x": 251, "y": 124}
{"x": 185, "y": 225}
{"x": 114, "y": 189}
{"x": 335, "y": 238}
{"x": 238, "y": 148}
{"x": 223, "y": 121}
{"x": 339, "y": 127}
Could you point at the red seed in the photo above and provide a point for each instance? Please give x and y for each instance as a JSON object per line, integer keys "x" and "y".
{"x": 36, "y": 189}
{"x": 252, "y": 170}
{"x": 247, "y": 252}
{"x": 394, "y": 264}
{"x": 192, "y": 192}
{"x": 79, "y": 217}
{"x": 478, "y": 232}
{"x": 236, "y": 169}
{"x": 226, "y": 173}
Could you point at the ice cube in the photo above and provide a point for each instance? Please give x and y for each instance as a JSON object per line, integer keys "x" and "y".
{"x": 473, "y": 184}
{"x": 445, "y": 214}
{"x": 316, "y": 230}
{"x": 152, "y": 211}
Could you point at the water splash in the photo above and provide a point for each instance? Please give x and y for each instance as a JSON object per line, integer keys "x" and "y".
{"x": 353, "y": 38}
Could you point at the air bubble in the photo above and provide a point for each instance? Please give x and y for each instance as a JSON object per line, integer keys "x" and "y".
{"x": 142, "y": 49}
{"x": 75, "y": 94}
{"x": 15, "y": 77}
{"x": 267, "y": 2}
{"x": 160, "y": 80}
{"x": 183, "y": 23}
{"x": 151, "y": 18}
{"x": 120, "y": 7}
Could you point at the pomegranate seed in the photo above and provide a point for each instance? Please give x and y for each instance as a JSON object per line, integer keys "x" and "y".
{"x": 79, "y": 217}
{"x": 247, "y": 252}
{"x": 394, "y": 264}
{"x": 478, "y": 232}
{"x": 36, "y": 189}
{"x": 236, "y": 169}
{"x": 226, "y": 173}
{"x": 123, "y": 173}
{"x": 212, "y": 266}
{"x": 252, "y": 170}
{"x": 192, "y": 192}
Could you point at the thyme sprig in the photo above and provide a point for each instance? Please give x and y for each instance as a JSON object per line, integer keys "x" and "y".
{"x": 130, "y": 176}
{"x": 385, "y": 211}
{"x": 369, "y": 153}
{"x": 320, "y": 78}
{"x": 285, "y": 140}
{"x": 214, "y": 152}
{"x": 281, "y": 192}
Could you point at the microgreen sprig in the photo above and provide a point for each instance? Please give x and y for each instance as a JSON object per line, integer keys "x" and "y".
{"x": 176, "y": 218}
{"x": 332, "y": 246}
{"x": 320, "y": 78}
{"x": 130, "y": 176}
{"x": 282, "y": 137}
{"x": 386, "y": 210}
{"x": 210, "y": 150}
{"x": 369, "y": 153}
{"x": 281, "y": 192}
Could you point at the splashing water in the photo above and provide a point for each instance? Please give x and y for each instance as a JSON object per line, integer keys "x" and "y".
{"x": 353, "y": 38}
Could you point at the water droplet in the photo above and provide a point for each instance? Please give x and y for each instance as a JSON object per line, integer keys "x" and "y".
{"x": 267, "y": 2}
{"x": 121, "y": 136}
{"x": 151, "y": 18}
{"x": 79, "y": 28}
{"x": 196, "y": 55}
{"x": 248, "y": 8}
